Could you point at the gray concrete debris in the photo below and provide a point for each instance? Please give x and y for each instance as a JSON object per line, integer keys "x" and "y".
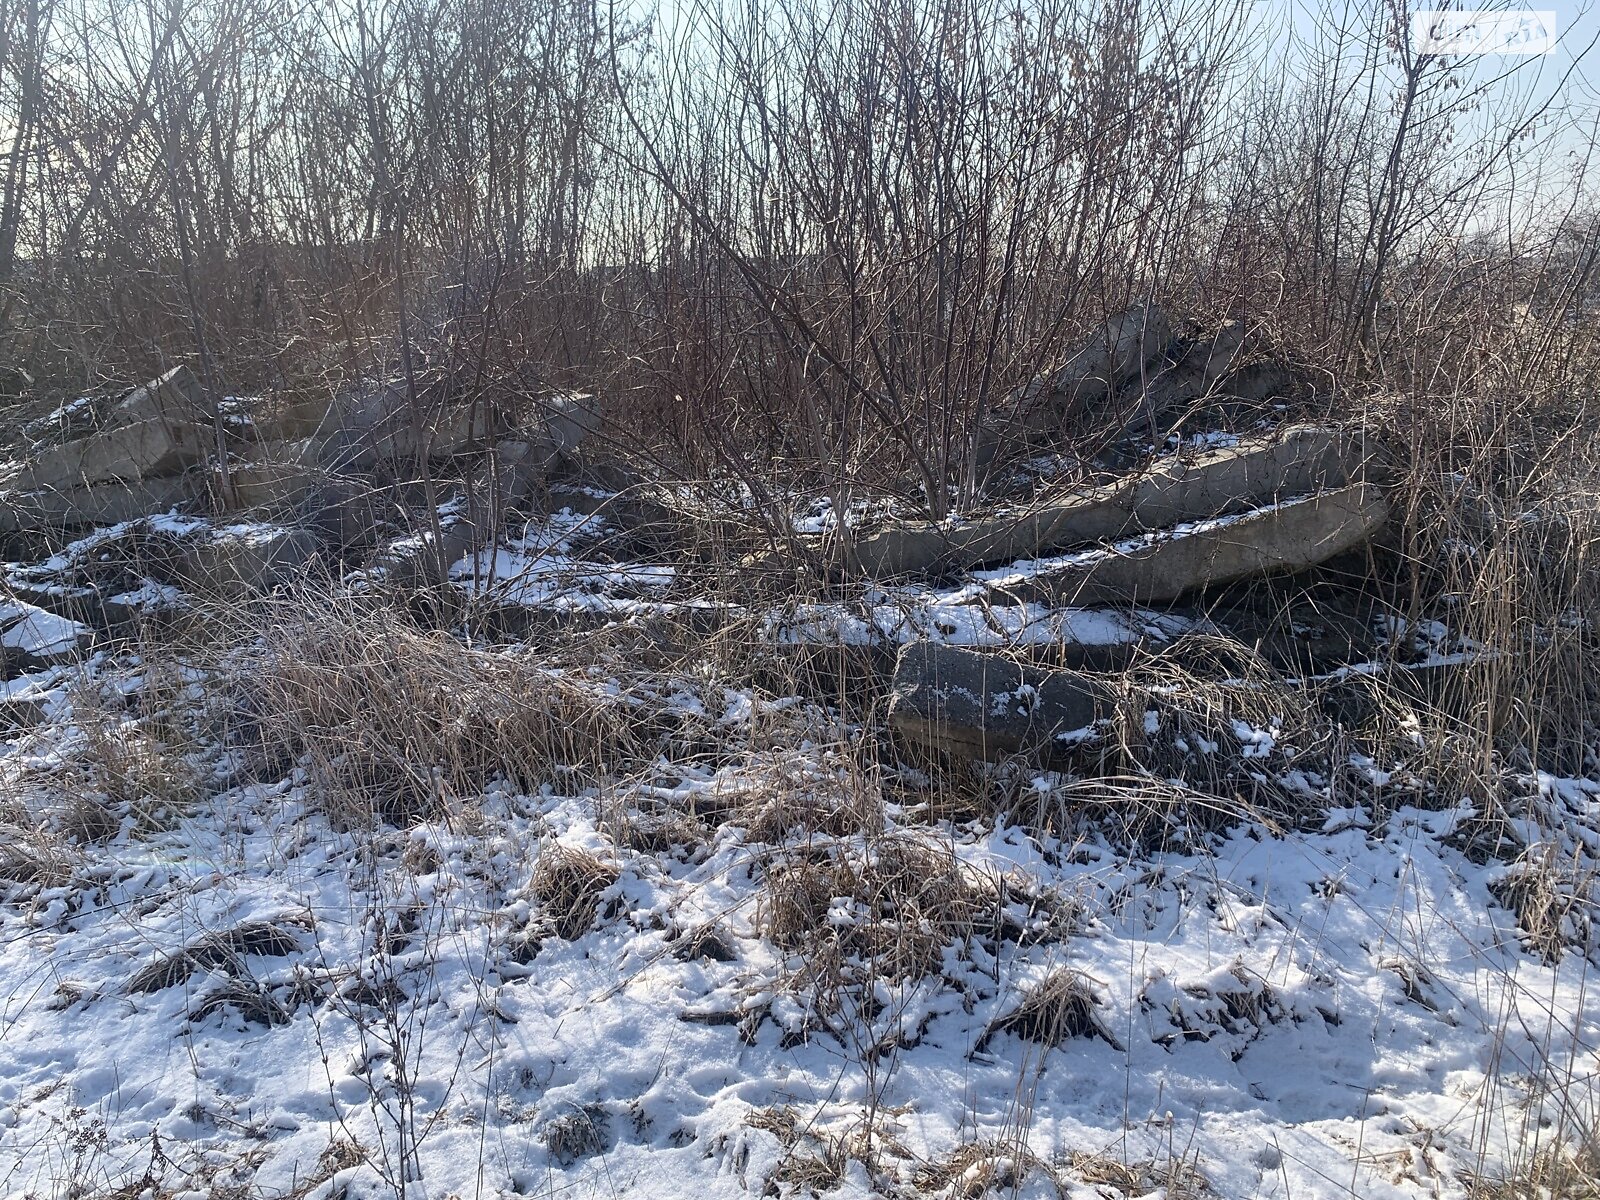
{"x": 103, "y": 609}
{"x": 1184, "y": 488}
{"x": 381, "y": 429}
{"x": 388, "y": 435}
{"x": 277, "y": 417}
{"x": 425, "y": 558}
{"x": 1257, "y": 383}
{"x": 1120, "y": 350}
{"x": 1201, "y": 363}
{"x": 986, "y": 705}
{"x": 571, "y": 419}
{"x": 32, "y": 638}
{"x": 238, "y": 561}
{"x": 109, "y": 502}
{"x": 1285, "y": 538}
{"x": 23, "y": 711}
{"x": 279, "y": 475}
{"x": 153, "y": 431}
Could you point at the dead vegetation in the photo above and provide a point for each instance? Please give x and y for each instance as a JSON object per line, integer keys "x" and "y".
{"x": 569, "y": 883}
{"x": 886, "y": 908}
{"x": 392, "y": 720}
{"x": 225, "y": 949}
{"x": 956, "y": 306}
{"x": 1062, "y": 1005}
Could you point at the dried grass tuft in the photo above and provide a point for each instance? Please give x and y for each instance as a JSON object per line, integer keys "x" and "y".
{"x": 569, "y": 884}
{"x": 1551, "y": 897}
{"x": 1062, "y": 1006}
{"x": 395, "y": 722}
{"x": 886, "y": 910}
{"x": 977, "y": 1169}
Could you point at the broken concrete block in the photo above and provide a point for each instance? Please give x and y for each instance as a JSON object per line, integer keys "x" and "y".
{"x": 1260, "y": 382}
{"x": 273, "y": 475}
{"x": 1287, "y": 537}
{"x": 571, "y": 418}
{"x": 1120, "y": 350}
{"x": 277, "y": 417}
{"x": 387, "y": 428}
{"x": 516, "y": 468}
{"x": 32, "y": 638}
{"x": 147, "y": 450}
{"x": 384, "y": 428}
{"x": 152, "y": 432}
{"x": 30, "y": 699}
{"x": 236, "y": 561}
{"x": 1201, "y": 362}
{"x": 1305, "y": 637}
{"x": 22, "y": 712}
{"x": 984, "y": 705}
{"x": 174, "y": 397}
{"x": 1184, "y": 488}
{"x": 109, "y": 502}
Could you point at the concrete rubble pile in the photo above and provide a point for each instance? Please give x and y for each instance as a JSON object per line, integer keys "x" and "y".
{"x": 1279, "y": 503}
{"x": 167, "y": 494}
{"x": 260, "y": 492}
{"x": 160, "y": 447}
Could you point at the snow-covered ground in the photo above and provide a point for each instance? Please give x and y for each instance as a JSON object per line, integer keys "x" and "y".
{"x": 234, "y": 997}
{"x": 777, "y": 961}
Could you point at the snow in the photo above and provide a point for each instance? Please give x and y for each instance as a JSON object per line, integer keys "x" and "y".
{"x": 1262, "y": 1015}
{"x": 245, "y": 997}
{"x": 906, "y": 614}
{"x": 1026, "y": 568}
{"x": 544, "y": 568}
{"x": 36, "y": 632}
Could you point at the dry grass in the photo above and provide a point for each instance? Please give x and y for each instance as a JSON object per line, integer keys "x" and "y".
{"x": 1174, "y": 1179}
{"x": 977, "y": 1169}
{"x": 568, "y": 883}
{"x": 112, "y": 774}
{"x": 30, "y": 857}
{"x": 1552, "y": 897}
{"x": 1063, "y": 1005}
{"x": 817, "y": 1159}
{"x": 791, "y": 793}
{"x": 578, "y": 1134}
{"x": 888, "y": 908}
{"x": 224, "y": 949}
{"x": 395, "y": 722}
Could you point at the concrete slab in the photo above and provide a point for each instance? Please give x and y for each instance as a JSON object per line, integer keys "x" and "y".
{"x": 979, "y": 705}
{"x": 1285, "y": 538}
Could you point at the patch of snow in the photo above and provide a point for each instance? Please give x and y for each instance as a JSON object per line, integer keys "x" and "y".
{"x": 38, "y": 632}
